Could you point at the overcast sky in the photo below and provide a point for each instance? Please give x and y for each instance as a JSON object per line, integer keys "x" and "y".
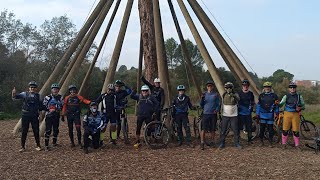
{"x": 270, "y": 34}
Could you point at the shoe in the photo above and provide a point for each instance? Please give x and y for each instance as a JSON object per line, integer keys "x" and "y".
{"x": 221, "y": 146}
{"x": 190, "y": 144}
{"x": 46, "y": 148}
{"x": 298, "y": 148}
{"x": 72, "y": 145}
{"x": 261, "y": 143}
{"x": 284, "y": 146}
{"x": 211, "y": 144}
{"x": 179, "y": 143}
{"x": 270, "y": 145}
{"x": 38, "y": 148}
{"x": 238, "y": 146}
{"x": 137, "y": 145}
{"x": 55, "y": 145}
{"x": 22, "y": 149}
{"x": 81, "y": 146}
{"x": 113, "y": 142}
{"x": 202, "y": 146}
{"x": 85, "y": 150}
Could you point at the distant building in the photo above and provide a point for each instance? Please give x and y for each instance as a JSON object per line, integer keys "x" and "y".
{"x": 307, "y": 83}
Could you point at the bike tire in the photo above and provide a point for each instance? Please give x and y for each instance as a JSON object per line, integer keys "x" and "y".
{"x": 308, "y": 130}
{"x": 156, "y": 135}
{"x": 125, "y": 130}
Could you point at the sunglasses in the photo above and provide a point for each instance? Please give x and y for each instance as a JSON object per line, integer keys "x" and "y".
{"x": 228, "y": 88}
{"x": 144, "y": 91}
{"x": 32, "y": 87}
{"x": 209, "y": 86}
{"x": 292, "y": 88}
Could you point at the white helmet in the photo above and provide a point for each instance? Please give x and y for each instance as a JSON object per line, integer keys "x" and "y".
{"x": 157, "y": 80}
{"x": 145, "y": 88}
{"x": 110, "y": 86}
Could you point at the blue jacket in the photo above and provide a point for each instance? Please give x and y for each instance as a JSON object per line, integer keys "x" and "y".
{"x": 147, "y": 105}
{"x": 94, "y": 123}
{"x": 181, "y": 104}
{"x": 245, "y": 103}
{"x": 121, "y": 97}
{"x": 267, "y": 106}
{"x": 210, "y": 102}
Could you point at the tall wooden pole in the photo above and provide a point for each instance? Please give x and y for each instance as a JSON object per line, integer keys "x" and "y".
{"x": 104, "y": 37}
{"x": 86, "y": 48}
{"x": 60, "y": 66}
{"x": 148, "y": 37}
{"x": 222, "y": 45}
{"x": 161, "y": 55}
{"x": 184, "y": 49}
{"x": 203, "y": 50}
{"x": 117, "y": 49}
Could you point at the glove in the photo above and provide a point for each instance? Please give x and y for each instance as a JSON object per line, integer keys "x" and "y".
{"x": 258, "y": 116}
{"x": 277, "y": 116}
{"x": 62, "y": 118}
{"x": 298, "y": 109}
{"x": 215, "y": 112}
{"x": 154, "y": 116}
{"x": 203, "y": 95}
{"x": 193, "y": 108}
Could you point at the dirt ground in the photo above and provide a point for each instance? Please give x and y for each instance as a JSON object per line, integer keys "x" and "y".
{"x": 125, "y": 162}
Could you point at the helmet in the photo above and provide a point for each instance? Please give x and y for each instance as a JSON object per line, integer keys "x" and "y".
{"x": 110, "y": 86}
{"x": 228, "y": 85}
{"x": 292, "y": 85}
{"x": 145, "y": 88}
{"x": 33, "y": 83}
{"x": 181, "y": 87}
{"x": 55, "y": 85}
{"x": 119, "y": 83}
{"x": 72, "y": 86}
{"x": 245, "y": 82}
{"x": 157, "y": 80}
{"x": 210, "y": 82}
{"x": 93, "y": 103}
{"x": 267, "y": 84}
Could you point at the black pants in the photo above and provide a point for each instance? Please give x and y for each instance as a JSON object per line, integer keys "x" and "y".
{"x": 74, "y": 118}
{"x": 182, "y": 120}
{"x": 95, "y": 138}
{"x": 26, "y": 120}
{"x": 140, "y": 120}
{"x": 52, "y": 123}
{"x": 246, "y": 121}
{"x": 234, "y": 126}
{"x": 270, "y": 130}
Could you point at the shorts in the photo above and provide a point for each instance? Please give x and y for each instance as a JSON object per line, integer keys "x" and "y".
{"x": 209, "y": 122}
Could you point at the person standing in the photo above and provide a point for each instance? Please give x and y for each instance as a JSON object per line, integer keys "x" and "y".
{"x": 246, "y": 104}
{"x": 293, "y": 104}
{"x": 181, "y": 104}
{"x": 210, "y": 102}
{"x": 32, "y": 105}
{"x": 53, "y": 103}
{"x": 71, "y": 111}
{"x": 267, "y": 107}
{"x": 230, "y": 100}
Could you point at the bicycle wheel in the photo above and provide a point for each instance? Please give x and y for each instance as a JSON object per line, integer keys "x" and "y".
{"x": 254, "y": 131}
{"x": 197, "y": 127}
{"x": 156, "y": 135}
{"x": 125, "y": 130}
{"x": 174, "y": 131}
{"x": 308, "y": 130}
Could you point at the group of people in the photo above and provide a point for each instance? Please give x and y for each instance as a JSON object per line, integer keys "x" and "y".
{"x": 235, "y": 107}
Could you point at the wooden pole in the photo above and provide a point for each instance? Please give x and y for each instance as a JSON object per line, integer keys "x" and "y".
{"x": 117, "y": 49}
{"x": 161, "y": 55}
{"x": 184, "y": 49}
{"x": 104, "y": 37}
{"x": 203, "y": 50}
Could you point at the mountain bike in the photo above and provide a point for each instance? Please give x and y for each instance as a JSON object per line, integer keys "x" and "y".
{"x": 124, "y": 125}
{"x": 316, "y": 145}
{"x": 156, "y": 133}
{"x": 197, "y": 122}
{"x": 254, "y": 130}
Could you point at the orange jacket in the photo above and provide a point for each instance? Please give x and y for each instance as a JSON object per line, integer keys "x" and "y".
{"x": 65, "y": 102}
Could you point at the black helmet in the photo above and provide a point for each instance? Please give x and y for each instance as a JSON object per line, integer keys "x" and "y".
{"x": 210, "y": 82}
{"x": 72, "y": 87}
{"x": 33, "y": 84}
{"x": 93, "y": 103}
{"x": 118, "y": 83}
{"x": 245, "y": 82}
{"x": 228, "y": 85}
{"x": 292, "y": 85}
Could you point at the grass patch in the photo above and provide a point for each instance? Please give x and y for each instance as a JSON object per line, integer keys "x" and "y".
{"x": 312, "y": 113}
{"x": 8, "y": 116}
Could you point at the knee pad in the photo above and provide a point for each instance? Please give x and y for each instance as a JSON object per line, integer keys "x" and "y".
{"x": 285, "y": 133}
{"x": 296, "y": 134}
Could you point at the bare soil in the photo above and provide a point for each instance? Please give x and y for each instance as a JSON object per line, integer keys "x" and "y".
{"x": 125, "y": 162}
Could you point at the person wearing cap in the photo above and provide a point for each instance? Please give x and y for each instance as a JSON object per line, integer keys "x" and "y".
{"x": 93, "y": 123}
{"x": 181, "y": 105}
{"x": 210, "y": 102}
{"x": 32, "y": 106}
{"x": 245, "y": 107}
{"x": 121, "y": 92}
{"x": 267, "y": 107}
{"x": 71, "y": 111}
{"x": 293, "y": 104}
{"x": 147, "y": 105}
{"x": 108, "y": 102}
{"x": 53, "y": 103}
{"x": 230, "y": 100}
{"x": 157, "y": 92}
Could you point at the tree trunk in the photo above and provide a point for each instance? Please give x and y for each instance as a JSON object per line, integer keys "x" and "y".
{"x": 148, "y": 37}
